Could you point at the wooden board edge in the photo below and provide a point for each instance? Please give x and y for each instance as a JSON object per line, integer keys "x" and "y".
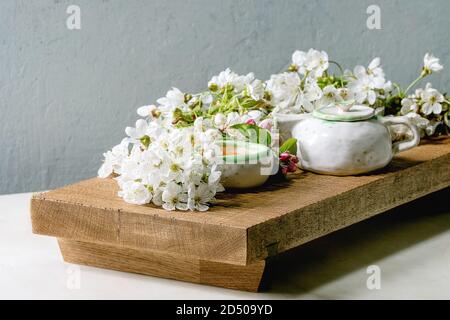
{"x": 72, "y": 221}
{"x": 280, "y": 234}
{"x": 147, "y": 262}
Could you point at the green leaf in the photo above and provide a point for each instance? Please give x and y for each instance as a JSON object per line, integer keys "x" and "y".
{"x": 446, "y": 121}
{"x": 289, "y": 145}
{"x": 249, "y": 103}
{"x": 243, "y": 128}
{"x": 253, "y": 133}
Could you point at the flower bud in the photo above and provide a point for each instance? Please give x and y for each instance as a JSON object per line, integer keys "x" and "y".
{"x": 156, "y": 113}
{"x": 292, "y": 167}
{"x": 145, "y": 140}
{"x": 187, "y": 97}
{"x": 425, "y": 72}
{"x": 292, "y": 68}
{"x": 251, "y": 122}
{"x": 266, "y": 124}
{"x": 285, "y": 156}
{"x": 213, "y": 87}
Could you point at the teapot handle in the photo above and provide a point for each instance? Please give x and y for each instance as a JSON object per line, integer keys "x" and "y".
{"x": 402, "y": 145}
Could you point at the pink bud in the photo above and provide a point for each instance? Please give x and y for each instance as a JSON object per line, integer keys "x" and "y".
{"x": 250, "y": 121}
{"x": 292, "y": 167}
{"x": 294, "y": 159}
{"x": 284, "y": 156}
{"x": 266, "y": 124}
{"x": 284, "y": 170}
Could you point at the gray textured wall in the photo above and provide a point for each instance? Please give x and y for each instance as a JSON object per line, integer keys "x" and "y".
{"x": 66, "y": 96}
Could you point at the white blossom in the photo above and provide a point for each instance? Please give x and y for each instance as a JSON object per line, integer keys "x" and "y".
{"x": 146, "y": 111}
{"x": 173, "y": 99}
{"x": 283, "y": 89}
{"x": 330, "y": 95}
{"x": 432, "y": 100}
{"x": 162, "y": 172}
{"x": 366, "y": 82}
{"x": 420, "y": 122}
{"x": 255, "y": 89}
{"x": 346, "y": 94}
{"x": 431, "y": 63}
{"x": 139, "y": 131}
{"x": 225, "y": 122}
{"x": 409, "y": 105}
{"x": 174, "y": 197}
{"x": 135, "y": 193}
{"x": 287, "y": 95}
{"x": 375, "y": 69}
{"x": 239, "y": 82}
{"x": 426, "y": 100}
{"x": 199, "y": 196}
{"x": 313, "y": 62}
{"x": 310, "y": 94}
{"x": 113, "y": 159}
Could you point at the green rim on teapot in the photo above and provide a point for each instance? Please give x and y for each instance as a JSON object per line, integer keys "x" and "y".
{"x": 344, "y": 111}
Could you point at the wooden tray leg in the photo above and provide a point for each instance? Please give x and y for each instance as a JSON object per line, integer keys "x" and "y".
{"x": 163, "y": 265}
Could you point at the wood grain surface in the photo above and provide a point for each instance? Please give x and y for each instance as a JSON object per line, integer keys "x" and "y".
{"x": 163, "y": 265}
{"x": 242, "y": 228}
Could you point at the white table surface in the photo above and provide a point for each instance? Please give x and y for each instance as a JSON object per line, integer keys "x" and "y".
{"x": 410, "y": 245}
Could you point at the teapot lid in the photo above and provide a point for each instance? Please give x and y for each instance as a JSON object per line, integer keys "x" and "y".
{"x": 344, "y": 111}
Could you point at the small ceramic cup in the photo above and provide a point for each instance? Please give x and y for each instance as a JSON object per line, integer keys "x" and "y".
{"x": 246, "y": 164}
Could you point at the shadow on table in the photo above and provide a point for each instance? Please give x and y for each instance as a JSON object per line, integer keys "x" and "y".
{"x": 314, "y": 264}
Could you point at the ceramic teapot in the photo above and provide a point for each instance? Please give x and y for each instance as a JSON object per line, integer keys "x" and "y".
{"x": 344, "y": 139}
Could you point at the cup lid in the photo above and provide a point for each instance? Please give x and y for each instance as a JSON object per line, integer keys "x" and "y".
{"x": 344, "y": 111}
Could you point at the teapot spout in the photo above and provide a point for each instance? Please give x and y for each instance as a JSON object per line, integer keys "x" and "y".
{"x": 286, "y": 122}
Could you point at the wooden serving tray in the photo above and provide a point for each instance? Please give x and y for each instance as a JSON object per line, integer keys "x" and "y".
{"x": 227, "y": 246}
